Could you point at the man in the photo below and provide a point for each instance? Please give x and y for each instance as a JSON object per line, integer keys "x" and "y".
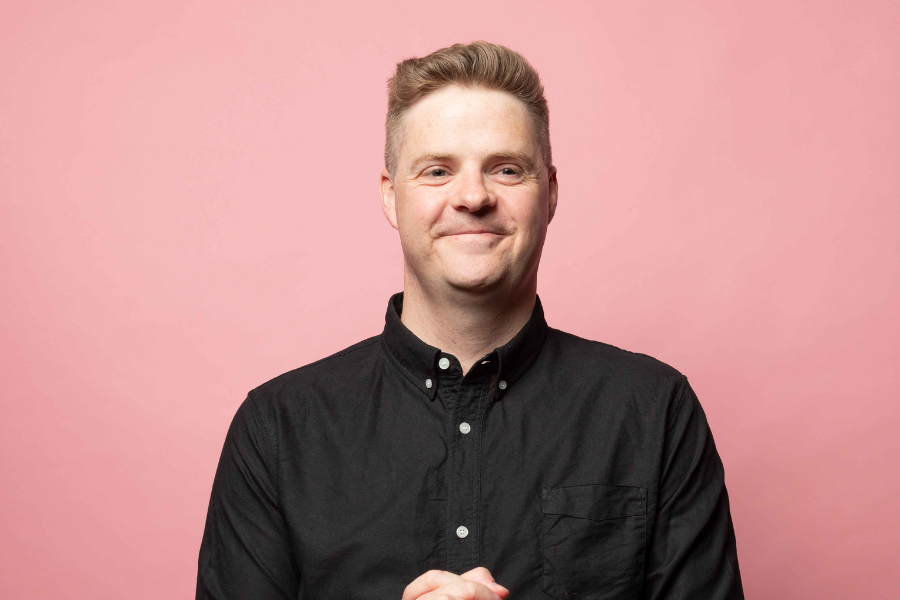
{"x": 470, "y": 451}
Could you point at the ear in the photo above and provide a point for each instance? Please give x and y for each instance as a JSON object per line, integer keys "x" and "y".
{"x": 553, "y": 192}
{"x": 388, "y": 198}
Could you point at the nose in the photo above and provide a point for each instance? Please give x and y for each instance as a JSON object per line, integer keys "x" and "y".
{"x": 472, "y": 195}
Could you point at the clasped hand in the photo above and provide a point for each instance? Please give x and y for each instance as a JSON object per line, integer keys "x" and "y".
{"x": 477, "y": 584}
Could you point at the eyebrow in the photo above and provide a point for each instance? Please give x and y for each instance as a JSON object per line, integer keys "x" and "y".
{"x": 520, "y": 157}
{"x": 430, "y": 158}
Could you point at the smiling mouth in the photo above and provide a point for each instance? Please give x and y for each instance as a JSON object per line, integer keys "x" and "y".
{"x": 475, "y": 233}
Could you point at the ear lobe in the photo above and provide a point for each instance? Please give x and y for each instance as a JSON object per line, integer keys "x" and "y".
{"x": 388, "y": 198}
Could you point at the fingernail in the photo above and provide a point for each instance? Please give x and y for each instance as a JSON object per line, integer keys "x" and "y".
{"x": 498, "y": 586}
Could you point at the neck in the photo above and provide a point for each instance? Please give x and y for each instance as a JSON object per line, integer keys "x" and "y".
{"x": 464, "y": 324}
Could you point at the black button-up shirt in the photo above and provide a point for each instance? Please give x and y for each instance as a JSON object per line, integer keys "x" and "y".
{"x": 567, "y": 467}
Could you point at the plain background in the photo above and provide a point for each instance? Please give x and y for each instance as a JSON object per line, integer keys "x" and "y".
{"x": 190, "y": 208}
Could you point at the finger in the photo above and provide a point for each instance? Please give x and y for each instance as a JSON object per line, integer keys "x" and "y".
{"x": 429, "y": 581}
{"x": 464, "y": 589}
{"x": 483, "y": 576}
{"x": 479, "y": 574}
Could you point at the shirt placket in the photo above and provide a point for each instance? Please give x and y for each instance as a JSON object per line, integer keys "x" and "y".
{"x": 464, "y": 514}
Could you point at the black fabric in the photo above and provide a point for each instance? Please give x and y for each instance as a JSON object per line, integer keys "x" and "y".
{"x": 587, "y": 472}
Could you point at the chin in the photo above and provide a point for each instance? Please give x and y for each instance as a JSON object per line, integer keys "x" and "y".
{"x": 474, "y": 281}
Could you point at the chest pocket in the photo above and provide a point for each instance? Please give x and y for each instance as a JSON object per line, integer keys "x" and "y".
{"x": 593, "y": 539}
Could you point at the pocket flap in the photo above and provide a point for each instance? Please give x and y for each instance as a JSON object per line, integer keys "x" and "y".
{"x": 596, "y": 502}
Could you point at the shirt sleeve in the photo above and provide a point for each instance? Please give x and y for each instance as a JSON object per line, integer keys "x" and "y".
{"x": 246, "y": 550}
{"x": 692, "y": 551}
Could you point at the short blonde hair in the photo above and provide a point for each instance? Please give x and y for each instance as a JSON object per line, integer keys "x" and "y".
{"x": 479, "y": 64}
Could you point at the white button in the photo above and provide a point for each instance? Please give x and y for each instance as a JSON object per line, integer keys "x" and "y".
{"x": 502, "y": 385}
{"x": 428, "y": 383}
{"x": 461, "y": 531}
{"x": 444, "y": 363}
{"x": 465, "y": 428}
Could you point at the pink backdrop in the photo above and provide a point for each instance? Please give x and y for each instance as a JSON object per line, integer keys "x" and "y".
{"x": 189, "y": 208}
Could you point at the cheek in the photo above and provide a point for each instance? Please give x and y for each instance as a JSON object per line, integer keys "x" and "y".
{"x": 415, "y": 222}
{"x": 419, "y": 211}
{"x": 530, "y": 214}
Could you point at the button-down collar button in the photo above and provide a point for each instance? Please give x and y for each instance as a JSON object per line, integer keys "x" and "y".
{"x": 465, "y": 428}
{"x": 462, "y": 531}
{"x": 444, "y": 363}
{"x": 428, "y": 383}
{"x": 502, "y": 385}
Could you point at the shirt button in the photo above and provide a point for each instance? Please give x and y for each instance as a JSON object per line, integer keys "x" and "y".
{"x": 461, "y": 531}
{"x": 444, "y": 363}
{"x": 502, "y": 385}
{"x": 465, "y": 428}
{"x": 428, "y": 383}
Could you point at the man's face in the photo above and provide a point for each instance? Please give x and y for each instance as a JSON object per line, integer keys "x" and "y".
{"x": 471, "y": 197}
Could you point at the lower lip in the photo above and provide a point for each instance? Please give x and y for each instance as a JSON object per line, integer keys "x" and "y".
{"x": 482, "y": 233}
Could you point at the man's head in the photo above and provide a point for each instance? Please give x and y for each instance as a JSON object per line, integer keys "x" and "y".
{"x": 478, "y": 64}
{"x": 469, "y": 181}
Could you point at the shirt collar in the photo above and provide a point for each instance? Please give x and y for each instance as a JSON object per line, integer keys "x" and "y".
{"x": 418, "y": 360}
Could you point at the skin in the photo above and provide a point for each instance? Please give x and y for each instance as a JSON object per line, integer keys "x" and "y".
{"x": 477, "y": 584}
{"x": 471, "y": 199}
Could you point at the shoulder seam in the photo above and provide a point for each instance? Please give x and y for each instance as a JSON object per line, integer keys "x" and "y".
{"x": 357, "y": 346}
{"x": 609, "y": 346}
{"x": 679, "y": 402}
{"x": 271, "y": 437}
{"x": 296, "y": 370}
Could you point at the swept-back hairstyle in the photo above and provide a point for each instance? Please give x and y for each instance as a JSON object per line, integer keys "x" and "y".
{"x": 479, "y": 64}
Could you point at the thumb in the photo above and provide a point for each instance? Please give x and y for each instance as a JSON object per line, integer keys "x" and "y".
{"x": 479, "y": 575}
{"x": 483, "y": 576}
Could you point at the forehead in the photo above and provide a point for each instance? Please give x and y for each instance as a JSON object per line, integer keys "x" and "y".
{"x": 459, "y": 119}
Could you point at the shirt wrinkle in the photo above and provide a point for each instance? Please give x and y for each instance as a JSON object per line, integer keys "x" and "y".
{"x": 586, "y": 478}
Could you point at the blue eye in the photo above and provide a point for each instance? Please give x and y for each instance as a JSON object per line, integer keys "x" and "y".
{"x": 437, "y": 172}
